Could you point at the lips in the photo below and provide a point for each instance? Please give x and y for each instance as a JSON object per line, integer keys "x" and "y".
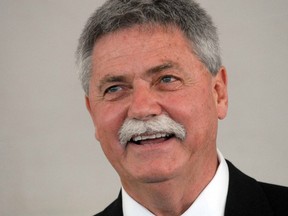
{"x": 150, "y": 138}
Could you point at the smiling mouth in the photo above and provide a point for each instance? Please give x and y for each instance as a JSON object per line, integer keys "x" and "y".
{"x": 150, "y": 138}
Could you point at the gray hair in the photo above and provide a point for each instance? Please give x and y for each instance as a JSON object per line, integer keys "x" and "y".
{"x": 113, "y": 15}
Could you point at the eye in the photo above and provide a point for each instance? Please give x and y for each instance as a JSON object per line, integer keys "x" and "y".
{"x": 169, "y": 83}
{"x": 168, "y": 79}
{"x": 115, "y": 92}
{"x": 113, "y": 89}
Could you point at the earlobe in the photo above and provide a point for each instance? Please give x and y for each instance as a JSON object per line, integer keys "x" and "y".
{"x": 221, "y": 93}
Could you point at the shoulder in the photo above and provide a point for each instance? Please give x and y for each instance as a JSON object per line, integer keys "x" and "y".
{"x": 277, "y": 197}
{"x": 114, "y": 209}
{"x": 251, "y": 197}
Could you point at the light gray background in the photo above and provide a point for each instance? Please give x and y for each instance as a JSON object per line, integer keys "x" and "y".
{"x": 50, "y": 163}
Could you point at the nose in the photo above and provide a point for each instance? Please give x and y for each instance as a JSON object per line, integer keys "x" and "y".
{"x": 144, "y": 103}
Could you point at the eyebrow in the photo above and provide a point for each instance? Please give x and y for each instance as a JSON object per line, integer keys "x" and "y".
{"x": 159, "y": 68}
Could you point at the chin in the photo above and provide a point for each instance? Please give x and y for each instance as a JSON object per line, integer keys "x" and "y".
{"x": 155, "y": 179}
{"x": 156, "y": 176}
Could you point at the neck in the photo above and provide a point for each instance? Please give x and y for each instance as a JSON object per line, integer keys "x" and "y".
{"x": 174, "y": 196}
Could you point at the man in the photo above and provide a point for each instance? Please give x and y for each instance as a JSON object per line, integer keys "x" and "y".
{"x": 155, "y": 88}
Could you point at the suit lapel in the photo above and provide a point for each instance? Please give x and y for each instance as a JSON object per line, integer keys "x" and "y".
{"x": 114, "y": 209}
{"x": 245, "y": 196}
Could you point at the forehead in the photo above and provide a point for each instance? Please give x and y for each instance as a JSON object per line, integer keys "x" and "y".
{"x": 138, "y": 47}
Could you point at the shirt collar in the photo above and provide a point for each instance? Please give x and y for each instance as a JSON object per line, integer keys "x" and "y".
{"x": 131, "y": 207}
{"x": 210, "y": 202}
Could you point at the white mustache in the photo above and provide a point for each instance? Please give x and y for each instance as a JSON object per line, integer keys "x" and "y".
{"x": 159, "y": 124}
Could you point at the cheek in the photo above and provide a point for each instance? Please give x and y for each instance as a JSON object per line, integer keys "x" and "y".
{"x": 108, "y": 120}
{"x": 204, "y": 120}
{"x": 196, "y": 111}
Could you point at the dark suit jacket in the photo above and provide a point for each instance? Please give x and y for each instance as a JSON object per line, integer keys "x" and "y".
{"x": 246, "y": 197}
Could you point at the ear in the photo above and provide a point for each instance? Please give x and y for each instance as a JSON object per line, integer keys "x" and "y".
{"x": 220, "y": 92}
{"x": 88, "y": 106}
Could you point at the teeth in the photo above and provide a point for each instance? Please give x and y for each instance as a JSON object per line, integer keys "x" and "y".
{"x": 152, "y": 136}
{"x": 159, "y": 135}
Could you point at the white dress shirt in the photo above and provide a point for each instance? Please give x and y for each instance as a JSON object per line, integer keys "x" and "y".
{"x": 210, "y": 202}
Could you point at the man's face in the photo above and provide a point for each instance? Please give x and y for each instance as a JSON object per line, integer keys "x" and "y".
{"x": 140, "y": 74}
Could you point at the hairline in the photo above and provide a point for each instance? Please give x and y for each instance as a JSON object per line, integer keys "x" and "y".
{"x": 150, "y": 26}
{"x": 194, "y": 23}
